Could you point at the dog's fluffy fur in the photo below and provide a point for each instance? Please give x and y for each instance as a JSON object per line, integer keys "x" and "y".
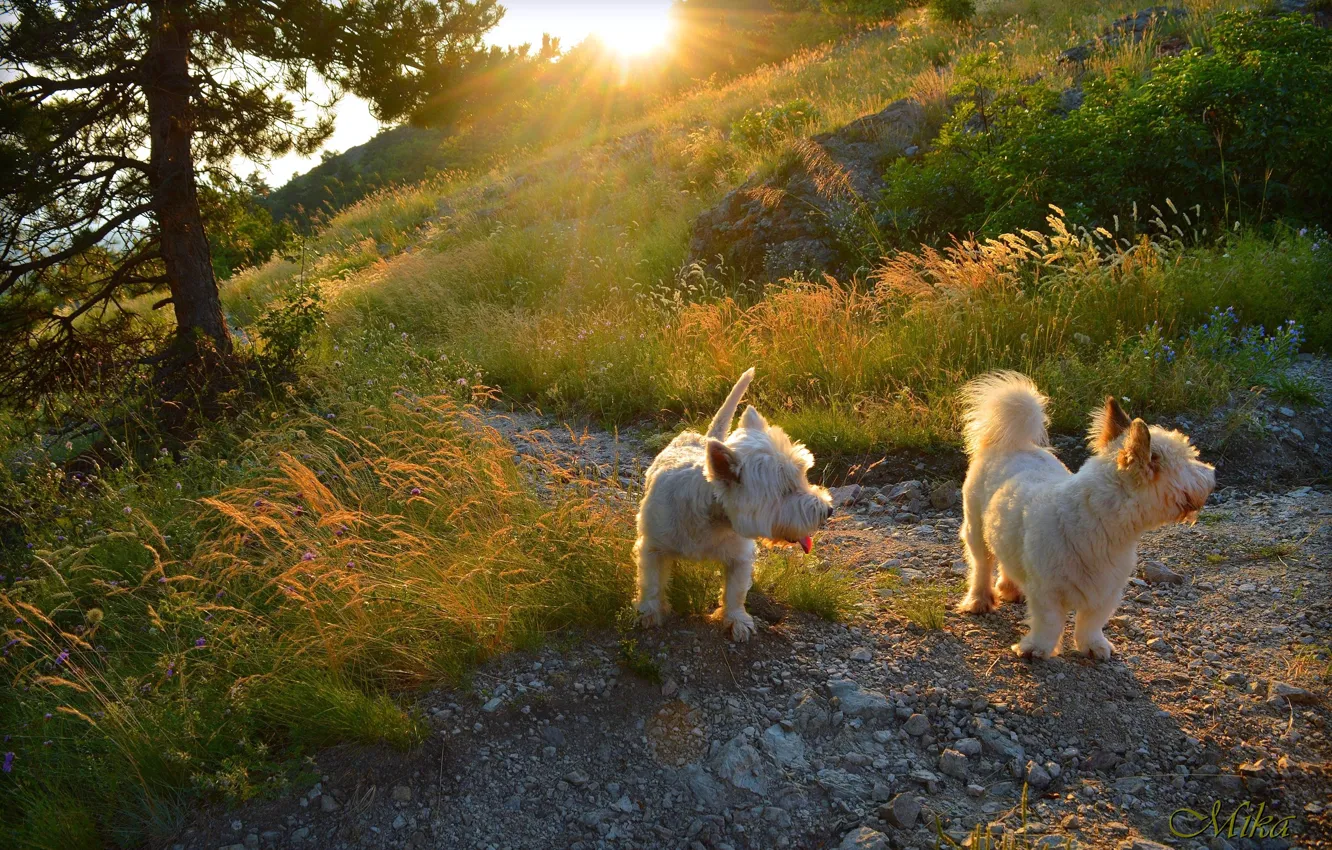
{"x": 1068, "y": 541}
{"x": 709, "y": 497}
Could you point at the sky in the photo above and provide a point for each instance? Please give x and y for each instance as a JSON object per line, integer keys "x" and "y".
{"x": 634, "y": 24}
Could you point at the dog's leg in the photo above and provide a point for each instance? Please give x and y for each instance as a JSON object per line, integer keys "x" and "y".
{"x": 739, "y": 576}
{"x": 1088, "y": 626}
{"x": 654, "y": 573}
{"x": 980, "y": 595}
{"x": 1008, "y": 590}
{"x": 1046, "y": 619}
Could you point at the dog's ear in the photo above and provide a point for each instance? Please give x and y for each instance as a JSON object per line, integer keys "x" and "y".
{"x": 1137, "y": 451}
{"x": 722, "y": 465}
{"x": 1107, "y": 424}
{"x": 753, "y": 420}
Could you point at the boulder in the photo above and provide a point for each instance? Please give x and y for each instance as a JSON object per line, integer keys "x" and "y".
{"x": 770, "y": 228}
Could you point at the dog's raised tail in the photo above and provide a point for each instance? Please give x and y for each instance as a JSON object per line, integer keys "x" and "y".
{"x": 721, "y": 423}
{"x": 1003, "y": 411}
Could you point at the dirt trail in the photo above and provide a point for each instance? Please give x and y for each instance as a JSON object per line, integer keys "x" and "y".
{"x": 880, "y": 732}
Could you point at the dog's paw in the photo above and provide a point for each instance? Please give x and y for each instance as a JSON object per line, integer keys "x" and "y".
{"x": 739, "y": 626}
{"x": 1009, "y": 591}
{"x": 1027, "y": 648}
{"x": 976, "y": 604}
{"x": 1098, "y": 648}
{"x": 652, "y": 614}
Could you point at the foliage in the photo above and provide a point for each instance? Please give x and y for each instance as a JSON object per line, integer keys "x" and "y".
{"x": 953, "y": 11}
{"x": 241, "y": 230}
{"x": 806, "y": 584}
{"x": 288, "y": 328}
{"x": 1236, "y": 130}
{"x": 766, "y": 127}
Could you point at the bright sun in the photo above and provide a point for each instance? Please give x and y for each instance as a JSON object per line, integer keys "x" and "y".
{"x": 635, "y": 32}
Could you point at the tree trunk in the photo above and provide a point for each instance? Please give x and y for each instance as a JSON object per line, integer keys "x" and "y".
{"x": 185, "y": 252}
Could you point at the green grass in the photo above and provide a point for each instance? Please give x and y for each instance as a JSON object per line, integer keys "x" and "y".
{"x": 923, "y": 602}
{"x": 805, "y": 583}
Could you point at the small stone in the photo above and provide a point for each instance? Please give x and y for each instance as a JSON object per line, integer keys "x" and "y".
{"x": 1141, "y": 844}
{"x": 624, "y": 804}
{"x": 1037, "y": 776}
{"x": 669, "y": 687}
{"x": 881, "y": 793}
{"x": 399, "y": 822}
{"x": 1280, "y": 693}
{"x": 1286, "y": 412}
{"x": 1134, "y": 785}
{"x": 576, "y": 778}
{"x": 975, "y": 790}
{"x": 1235, "y": 679}
{"x": 944, "y": 496}
{"x": 917, "y": 725}
{"x": 861, "y": 653}
{"x": 492, "y": 705}
{"x": 1156, "y": 572}
{"x": 953, "y": 763}
{"x": 402, "y": 794}
{"x": 902, "y": 811}
{"x": 864, "y": 838}
{"x": 327, "y": 803}
{"x": 968, "y": 746}
{"x": 844, "y": 496}
{"x": 1158, "y": 645}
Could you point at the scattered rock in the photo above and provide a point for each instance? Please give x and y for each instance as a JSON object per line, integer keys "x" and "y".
{"x": 741, "y": 765}
{"x": 864, "y": 838}
{"x": 845, "y": 496}
{"x": 785, "y": 748}
{"x": 901, "y": 812}
{"x": 856, "y": 702}
{"x": 402, "y": 794}
{"x": 1156, "y": 572}
{"x": 1280, "y": 693}
{"x": 953, "y": 763}
{"x": 862, "y": 654}
{"x": 945, "y": 496}
{"x": 1037, "y": 776}
{"x": 916, "y": 725}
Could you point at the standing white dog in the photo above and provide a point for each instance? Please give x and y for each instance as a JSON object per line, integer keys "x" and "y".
{"x": 709, "y": 497}
{"x": 1068, "y": 541}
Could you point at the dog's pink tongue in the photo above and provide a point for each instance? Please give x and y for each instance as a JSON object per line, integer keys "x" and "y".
{"x": 807, "y": 543}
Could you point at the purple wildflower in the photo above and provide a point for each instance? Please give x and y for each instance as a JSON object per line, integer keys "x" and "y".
{"x": 200, "y": 642}
{"x": 8, "y": 766}
{"x": 308, "y": 556}
{"x": 62, "y": 657}
{"x": 416, "y": 491}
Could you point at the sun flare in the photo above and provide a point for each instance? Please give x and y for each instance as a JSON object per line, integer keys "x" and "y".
{"x": 635, "y": 32}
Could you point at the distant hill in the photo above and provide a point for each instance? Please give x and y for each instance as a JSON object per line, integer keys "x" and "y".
{"x": 399, "y": 155}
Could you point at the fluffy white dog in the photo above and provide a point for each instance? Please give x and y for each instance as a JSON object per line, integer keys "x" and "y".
{"x": 710, "y": 496}
{"x": 1068, "y": 541}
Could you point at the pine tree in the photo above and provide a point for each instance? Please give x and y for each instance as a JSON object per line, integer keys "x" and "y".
{"x": 112, "y": 115}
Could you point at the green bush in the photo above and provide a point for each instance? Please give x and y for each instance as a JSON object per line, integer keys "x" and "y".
{"x": 1242, "y": 131}
{"x": 288, "y": 328}
{"x": 953, "y": 11}
{"x": 760, "y": 128}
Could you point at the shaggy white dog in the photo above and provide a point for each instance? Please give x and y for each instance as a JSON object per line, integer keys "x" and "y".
{"x": 710, "y": 496}
{"x": 1068, "y": 541}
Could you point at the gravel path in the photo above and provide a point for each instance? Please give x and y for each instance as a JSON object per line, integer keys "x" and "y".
{"x": 883, "y": 732}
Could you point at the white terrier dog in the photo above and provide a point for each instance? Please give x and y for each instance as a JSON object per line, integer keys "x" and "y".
{"x": 709, "y": 497}
{"x": 1068, "y": 541}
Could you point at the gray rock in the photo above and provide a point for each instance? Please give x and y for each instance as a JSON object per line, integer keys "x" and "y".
{"x": 998, "y": 744}
{"x": 1134, "y": 785}
{"x": 811, "y": 714}
{"x": 906, "y": 491}
{"x": 1141, "y": 844}
{"x": 1037, "y": 776}
{"x": 707, "y": 791}
{"x": 968, "y": 747}
{"x": 863, "y": 838}
{"x": 765, "y": 235}
{"x": 945, "y": 496}
{"x": 741, "y": 765}
{"x": 328, "y": 804}
{"x": 624, "y": 804}
{"x": 845, "y": 496}
{"x": 1280, "y": 693}
{"x": 902, "y": 811}
{"x": 953, "y": 763}
{"x": 402, "y": 794}
{"x": 843, "y": 785}
{"x": 553, "y": 735}
{"x": 492, "y": 705}
{"x": 785, "y": 748}
{"x": 1156, "y": 572}
{"x": 917, "y": 725}
{"x": 859, "y": 703}
{"x": 861, "y": 654}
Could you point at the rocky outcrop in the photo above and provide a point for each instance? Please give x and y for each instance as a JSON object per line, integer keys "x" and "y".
{"x": 1132, "y": 27}
{"x": 773, "y": 227}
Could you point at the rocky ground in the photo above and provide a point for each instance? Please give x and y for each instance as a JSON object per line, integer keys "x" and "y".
{"x": 906, "y": 726}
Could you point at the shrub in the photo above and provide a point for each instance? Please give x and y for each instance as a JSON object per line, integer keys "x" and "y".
{"x": 287, "y": 328}
{"x": 760, "y": 128}
{"x": 1240, "y": 131}
{"x": 952, "y": 11}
